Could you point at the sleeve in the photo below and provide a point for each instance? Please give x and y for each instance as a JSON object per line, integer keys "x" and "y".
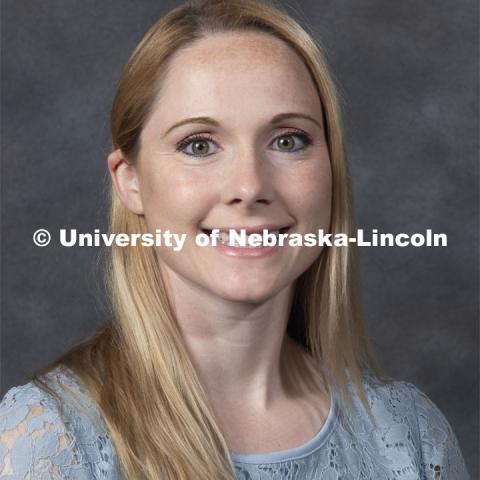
{"x": 34, "y": 442}
{"x": 440, "y": 451}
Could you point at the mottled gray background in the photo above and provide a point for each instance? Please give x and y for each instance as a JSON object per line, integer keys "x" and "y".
{"x": 408, "y": 78}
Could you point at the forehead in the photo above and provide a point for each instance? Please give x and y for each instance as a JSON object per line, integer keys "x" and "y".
{"x": 236, "y": 72}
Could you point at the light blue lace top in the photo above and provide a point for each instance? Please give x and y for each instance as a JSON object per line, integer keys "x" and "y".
{"x": 413, "y": 440}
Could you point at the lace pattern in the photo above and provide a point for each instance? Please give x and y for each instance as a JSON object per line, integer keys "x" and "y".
{"x": 413, "y": 440}
{"x": 38, "y": 442}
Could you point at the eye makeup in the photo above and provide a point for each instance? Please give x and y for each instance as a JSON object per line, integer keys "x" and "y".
{"x": 200, "y": 137}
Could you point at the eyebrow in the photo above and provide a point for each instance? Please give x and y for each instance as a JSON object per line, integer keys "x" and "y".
{"x": 276, "y": 119}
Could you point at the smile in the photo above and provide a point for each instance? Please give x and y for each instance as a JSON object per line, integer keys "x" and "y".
{"x": 247, "y": 237}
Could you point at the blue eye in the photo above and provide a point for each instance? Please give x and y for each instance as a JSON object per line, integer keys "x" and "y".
{"x": 199, "y": 144}
{"x": 290, "y": 144}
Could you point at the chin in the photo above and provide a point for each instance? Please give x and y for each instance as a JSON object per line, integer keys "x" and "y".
{"x": 247, "y": 293}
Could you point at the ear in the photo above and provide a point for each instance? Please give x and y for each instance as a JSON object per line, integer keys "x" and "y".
{"x": 125, "y": 181}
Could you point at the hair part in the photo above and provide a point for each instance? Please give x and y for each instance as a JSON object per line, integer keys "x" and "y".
{"x": 136, "y": 367}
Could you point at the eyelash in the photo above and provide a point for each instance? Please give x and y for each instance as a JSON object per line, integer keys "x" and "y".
{"x": 204, "y": 136}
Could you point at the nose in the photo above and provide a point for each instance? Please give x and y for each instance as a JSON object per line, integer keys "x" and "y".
{"x": 249, "y": 181}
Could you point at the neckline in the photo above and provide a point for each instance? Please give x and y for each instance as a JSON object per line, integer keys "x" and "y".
{"x": 302, "y": 450}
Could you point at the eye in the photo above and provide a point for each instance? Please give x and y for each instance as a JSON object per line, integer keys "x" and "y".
{"x": 286, "y": 141}
{"x": 199, "y": 145}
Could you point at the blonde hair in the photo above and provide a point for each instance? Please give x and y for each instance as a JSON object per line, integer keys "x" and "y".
{"x": 136, "y": 367}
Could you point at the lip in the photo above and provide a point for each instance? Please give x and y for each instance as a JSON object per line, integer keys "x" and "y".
{"x": 248, "y": 252}
{"x": 245, "y": 252}
{"x": 252, "y": 229}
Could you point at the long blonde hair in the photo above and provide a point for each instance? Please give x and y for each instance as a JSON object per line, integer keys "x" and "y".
{"x": 136, "y": 367}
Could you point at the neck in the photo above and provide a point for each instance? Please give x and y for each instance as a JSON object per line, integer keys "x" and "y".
{"x": 236, "y": 348}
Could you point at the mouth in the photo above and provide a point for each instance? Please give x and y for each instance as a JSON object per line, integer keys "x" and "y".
{"x": 224, "y": 233}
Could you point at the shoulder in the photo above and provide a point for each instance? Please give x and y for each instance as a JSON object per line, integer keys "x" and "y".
{"x": 440, "y": 446}
{"x": 406, "y": 416}
{"x": 45, "y": 439}
{"x": 401, "y": 399}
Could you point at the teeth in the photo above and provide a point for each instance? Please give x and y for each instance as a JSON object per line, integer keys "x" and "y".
{"x": 225, "y": 239}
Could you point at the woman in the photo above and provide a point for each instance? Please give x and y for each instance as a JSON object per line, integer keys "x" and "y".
{"x": 226, "y": 361}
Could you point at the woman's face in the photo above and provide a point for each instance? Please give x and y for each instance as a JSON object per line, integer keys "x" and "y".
{"x": 250, "y": 165}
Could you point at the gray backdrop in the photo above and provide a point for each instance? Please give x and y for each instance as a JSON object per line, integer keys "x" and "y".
{"x": 408, "y": 78}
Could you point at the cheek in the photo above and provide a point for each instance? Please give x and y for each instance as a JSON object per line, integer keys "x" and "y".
{"x": 174, "y": 197}
{"x": 311, "y": 193}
